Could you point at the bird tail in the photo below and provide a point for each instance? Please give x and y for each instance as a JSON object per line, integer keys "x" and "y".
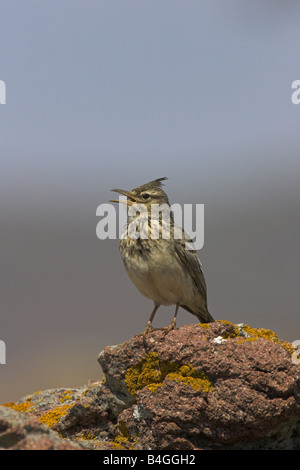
{"x": 202, "y": 314}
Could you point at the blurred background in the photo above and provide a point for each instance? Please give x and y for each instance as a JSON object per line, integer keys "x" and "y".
{"x": 103, "y": 95}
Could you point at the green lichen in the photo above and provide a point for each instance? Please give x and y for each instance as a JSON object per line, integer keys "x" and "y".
{"x": 151, "y": 372}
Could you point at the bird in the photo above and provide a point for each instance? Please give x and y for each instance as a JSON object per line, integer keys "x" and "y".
{"x": 161, "y": 268}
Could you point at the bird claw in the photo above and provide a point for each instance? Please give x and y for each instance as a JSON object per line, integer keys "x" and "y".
{"x": 170, "y": 327}
{"x": 149, "y": 328}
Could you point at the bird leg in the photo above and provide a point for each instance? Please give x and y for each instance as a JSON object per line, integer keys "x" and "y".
{"x": 173, "y": 323}
{"x": 149, "y": 326}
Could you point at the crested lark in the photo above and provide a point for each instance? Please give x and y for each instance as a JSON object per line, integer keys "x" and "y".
{"x": 161, "y": 268}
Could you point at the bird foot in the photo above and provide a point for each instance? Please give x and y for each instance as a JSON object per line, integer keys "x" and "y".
{"x": 149, "y": 328}
{"x": 170, "y": 327}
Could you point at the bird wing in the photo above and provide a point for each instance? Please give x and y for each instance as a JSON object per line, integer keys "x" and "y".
{"x": 191, "y": 263}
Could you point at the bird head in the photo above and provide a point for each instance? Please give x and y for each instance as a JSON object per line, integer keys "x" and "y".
{"x": 147, "y": 194}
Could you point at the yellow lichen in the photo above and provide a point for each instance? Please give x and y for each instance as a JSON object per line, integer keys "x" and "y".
{"x": 256, "y": 333}
{"x": 52, "y": 417}
{"x": 230, "y": 334}
{"x": 66, "y": 395}
{"x": 187, "y": 375}
{"x": 145, "y": 372}
{"x": 88, "y": 436}
{"x": 123, "y": 439}
{"x": 204, "y": 325}
{"x": 119, "y": 442}
{"x": 21, "y": 407}
{"x": 151, "y": 372}
{"x": 260, "y": 333}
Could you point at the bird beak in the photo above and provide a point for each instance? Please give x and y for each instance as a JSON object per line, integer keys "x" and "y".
{"x": 130, "y": 199}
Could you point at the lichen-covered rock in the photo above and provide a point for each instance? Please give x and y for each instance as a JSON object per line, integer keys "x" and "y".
{"x": 19, "y": 431}
{"x": 201, "y": 386}
{"x": 215, "y": 386}
{"x": 87, "y": 415}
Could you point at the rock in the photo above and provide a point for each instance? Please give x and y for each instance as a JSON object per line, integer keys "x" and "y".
{"x": 23, "y": 432}
{"x": 193, "y": 392}
{"x": 84, "y": 414}
{"x": 209, "y": 386}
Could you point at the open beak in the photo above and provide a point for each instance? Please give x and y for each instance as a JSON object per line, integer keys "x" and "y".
{"x": 130, "y": 199}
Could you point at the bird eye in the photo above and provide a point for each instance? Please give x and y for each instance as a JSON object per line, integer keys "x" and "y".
{"x": 145, "y": 196}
